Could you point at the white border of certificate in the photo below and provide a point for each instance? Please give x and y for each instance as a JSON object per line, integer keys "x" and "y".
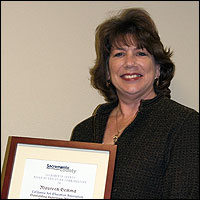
{"x": 21, "y": 149}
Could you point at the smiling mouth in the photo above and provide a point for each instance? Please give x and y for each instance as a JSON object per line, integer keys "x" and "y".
{"x": 131, "y": 76}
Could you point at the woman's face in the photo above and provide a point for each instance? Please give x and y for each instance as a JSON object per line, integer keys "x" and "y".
{"x": 133, "y": 71}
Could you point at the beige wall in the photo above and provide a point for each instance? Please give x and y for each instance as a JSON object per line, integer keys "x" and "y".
{"x": 48, "y": 48}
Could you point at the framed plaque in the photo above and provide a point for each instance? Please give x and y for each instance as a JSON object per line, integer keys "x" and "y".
{"x": 37, "y": 168}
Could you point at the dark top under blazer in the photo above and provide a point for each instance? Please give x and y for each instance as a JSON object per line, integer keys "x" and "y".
{"x": 157, "y": 154}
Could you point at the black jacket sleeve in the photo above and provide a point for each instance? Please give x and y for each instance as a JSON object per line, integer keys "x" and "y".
{"x": 83, "y": 132}
{"x": 182, "y": 175}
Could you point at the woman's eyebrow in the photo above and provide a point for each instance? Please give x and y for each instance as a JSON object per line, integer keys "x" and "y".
{"x": 121, "y": 48}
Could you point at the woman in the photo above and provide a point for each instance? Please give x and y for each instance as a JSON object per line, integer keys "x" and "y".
{"x": 156, "y": 137}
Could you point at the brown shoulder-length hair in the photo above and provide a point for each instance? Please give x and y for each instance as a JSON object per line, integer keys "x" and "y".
{"x": 137, "y": 23}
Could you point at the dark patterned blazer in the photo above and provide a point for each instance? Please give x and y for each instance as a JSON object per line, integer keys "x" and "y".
{"x": 157, "y": 154}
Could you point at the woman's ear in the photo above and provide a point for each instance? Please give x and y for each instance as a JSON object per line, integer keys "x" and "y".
{"x": 108, "y": 81}
{"x": 108, "y": 76}
{"x": 157, "y": 71}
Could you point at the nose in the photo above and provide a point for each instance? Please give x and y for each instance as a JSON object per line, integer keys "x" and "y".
{"x": 130, "y": 61}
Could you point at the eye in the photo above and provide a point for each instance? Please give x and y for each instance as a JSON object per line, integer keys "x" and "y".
{"x": 141, "y": 53}
{"x": 119, "y": 54}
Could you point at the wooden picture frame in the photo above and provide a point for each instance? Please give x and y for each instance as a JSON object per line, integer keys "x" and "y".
{"x": 47, "y": 168}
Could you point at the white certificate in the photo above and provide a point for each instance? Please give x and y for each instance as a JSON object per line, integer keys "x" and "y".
{"x": 52, "y": 179}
